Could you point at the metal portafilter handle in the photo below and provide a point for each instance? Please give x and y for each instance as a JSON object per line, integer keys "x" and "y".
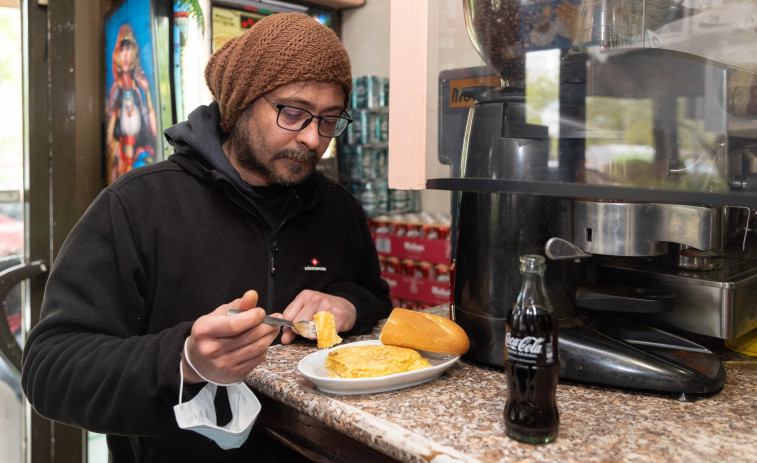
{"x": 561, "y": 249}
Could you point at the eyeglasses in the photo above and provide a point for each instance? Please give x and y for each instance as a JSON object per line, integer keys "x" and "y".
{"x": 296, "y": 119}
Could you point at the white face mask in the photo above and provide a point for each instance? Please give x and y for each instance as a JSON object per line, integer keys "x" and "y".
{"x": 199, "y": 414}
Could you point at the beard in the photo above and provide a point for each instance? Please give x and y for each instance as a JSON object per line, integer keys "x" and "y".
{"x": 250, "y": 146}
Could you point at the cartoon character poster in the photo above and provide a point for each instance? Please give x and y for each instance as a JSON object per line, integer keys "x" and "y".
{"x": 131, "y": 125}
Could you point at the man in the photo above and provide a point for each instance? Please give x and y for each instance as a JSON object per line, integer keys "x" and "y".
{"x": 144, "y": 283}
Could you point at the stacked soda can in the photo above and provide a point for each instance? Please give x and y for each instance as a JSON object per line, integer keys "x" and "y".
{"x": 363, "y": 152}
{"x": 424, "y": 225}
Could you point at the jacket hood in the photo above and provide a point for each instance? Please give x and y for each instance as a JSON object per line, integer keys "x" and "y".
{"x": 197, "y": 147}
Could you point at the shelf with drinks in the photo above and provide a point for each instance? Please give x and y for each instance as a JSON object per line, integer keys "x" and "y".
{"x": 414, "y": 253}
{"x": 413, "y": 247}
{"x": 362, "y": 153}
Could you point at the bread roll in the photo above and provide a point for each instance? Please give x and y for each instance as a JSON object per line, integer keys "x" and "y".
{"x": 424, "y": 331}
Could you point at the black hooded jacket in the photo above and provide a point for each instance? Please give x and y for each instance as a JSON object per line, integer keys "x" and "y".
{"x": 160, "y": 247}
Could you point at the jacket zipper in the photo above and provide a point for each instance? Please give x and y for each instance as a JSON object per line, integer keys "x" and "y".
{"x": 272, "y": 249}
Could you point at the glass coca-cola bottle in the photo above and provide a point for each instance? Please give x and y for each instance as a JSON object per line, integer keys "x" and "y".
{"x": 531, "y": 361}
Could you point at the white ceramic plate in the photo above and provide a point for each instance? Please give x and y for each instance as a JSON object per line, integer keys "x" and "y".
{"x": 312, "y": 367}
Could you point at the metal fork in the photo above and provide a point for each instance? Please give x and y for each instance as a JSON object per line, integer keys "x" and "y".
{"x": 305, "y": 328}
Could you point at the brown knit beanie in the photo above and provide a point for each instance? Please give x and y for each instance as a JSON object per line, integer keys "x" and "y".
{"x": 278, "y": 50}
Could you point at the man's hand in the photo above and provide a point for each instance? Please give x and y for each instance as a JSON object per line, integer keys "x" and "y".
{"x": 309, "y": 302}
{"x": 226, "y": 348}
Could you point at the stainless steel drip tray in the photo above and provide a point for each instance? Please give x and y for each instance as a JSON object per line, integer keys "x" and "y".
{"x": 721, "y": 303}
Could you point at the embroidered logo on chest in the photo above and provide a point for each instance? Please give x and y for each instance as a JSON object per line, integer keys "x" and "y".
{"x": 314, "y": 266}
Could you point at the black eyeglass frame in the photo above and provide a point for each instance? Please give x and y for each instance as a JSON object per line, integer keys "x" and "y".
{"x": 307, "y": 121}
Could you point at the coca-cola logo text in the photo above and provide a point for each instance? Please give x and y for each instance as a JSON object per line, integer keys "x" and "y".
{"x": 527, "y": 344}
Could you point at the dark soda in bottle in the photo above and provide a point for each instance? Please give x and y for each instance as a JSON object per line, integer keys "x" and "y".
{"x": 531, "y": 362}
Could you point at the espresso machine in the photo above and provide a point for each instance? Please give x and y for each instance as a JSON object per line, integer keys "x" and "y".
{"x": 642, "y": 201}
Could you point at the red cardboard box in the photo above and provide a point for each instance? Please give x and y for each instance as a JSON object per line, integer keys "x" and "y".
{"x": 418, "y": 249}
{"x": 417, "y": 289}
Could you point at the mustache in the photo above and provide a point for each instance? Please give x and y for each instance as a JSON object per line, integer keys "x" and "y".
{"x": 294, "y": 154}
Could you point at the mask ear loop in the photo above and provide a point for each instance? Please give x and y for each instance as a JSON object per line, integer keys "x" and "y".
{"x": 189, "y": 362}
{"x": 181, "y": 382}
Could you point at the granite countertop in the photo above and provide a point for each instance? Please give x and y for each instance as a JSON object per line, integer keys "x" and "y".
{"x": 458, "y": 416}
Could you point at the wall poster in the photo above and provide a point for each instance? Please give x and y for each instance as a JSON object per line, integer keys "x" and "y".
{"x": 131, "y": 123}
